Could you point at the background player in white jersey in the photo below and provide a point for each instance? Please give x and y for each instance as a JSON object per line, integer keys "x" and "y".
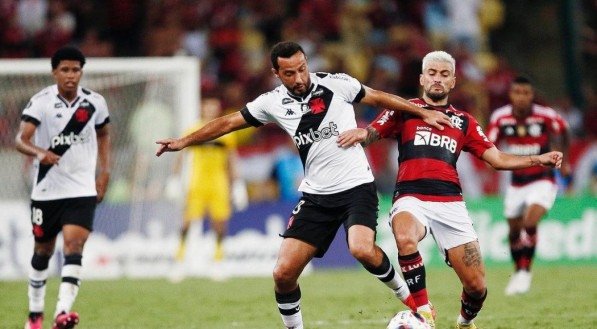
{"x": 428, "y": 196}
{"x": 69, "y": 126}
{"x": 525, "y": 128}
{"x": 338, "y": 187}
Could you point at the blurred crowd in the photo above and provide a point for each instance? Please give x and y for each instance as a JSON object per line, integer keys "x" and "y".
{"x": 379, "y": 42}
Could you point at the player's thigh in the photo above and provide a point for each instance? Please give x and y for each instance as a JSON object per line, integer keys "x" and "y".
{"x": 77, "y": 221}
{"x": 467, "y": 262}
{"x": 46, "y": 221}
{"x": 361, "y": 239}
{"x": 541, "y": 193}
{"x": 313, "y": 224}
{"x": 409, "y": 220}
{"x": 293, "y": 256}
{"x": 219, "y": 205}
{"x": 514, "y": 201}
{"x": 194, "y": 205}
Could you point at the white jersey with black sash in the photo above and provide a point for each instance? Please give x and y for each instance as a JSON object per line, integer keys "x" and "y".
{"x": 314, "y": 121}
{"x": 69, "y": 130}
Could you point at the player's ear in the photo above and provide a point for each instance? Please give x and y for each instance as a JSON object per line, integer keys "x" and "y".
{"x": 275, "y": 72}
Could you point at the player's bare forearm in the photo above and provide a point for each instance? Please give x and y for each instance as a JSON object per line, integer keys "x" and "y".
{"x": 382, "y": 99}
{"x": 352, "y": 137}
{"x": 212, "y": 130}
{"x": 104, "y": 147}
{"x": 504, "y": 161}
{"x": 24, "y": 145}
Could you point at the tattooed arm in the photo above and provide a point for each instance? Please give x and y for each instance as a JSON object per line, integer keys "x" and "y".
{"x": 358, "y": 135}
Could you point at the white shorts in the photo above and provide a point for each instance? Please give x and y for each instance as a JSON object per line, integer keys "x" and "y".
{"x": 517, "y": 198}
{"x": 448, "y": 222}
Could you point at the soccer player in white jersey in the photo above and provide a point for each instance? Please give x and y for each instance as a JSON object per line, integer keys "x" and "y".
{"x": 338, "y": 188}
{"x": 66, "y": 128}
{"x": 428, "y": 197}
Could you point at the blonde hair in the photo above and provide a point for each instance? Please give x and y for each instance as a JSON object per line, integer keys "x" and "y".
{"x": 439, "y": 56}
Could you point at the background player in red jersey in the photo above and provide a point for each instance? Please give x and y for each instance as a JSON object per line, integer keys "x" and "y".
{"x": 428, "y": 196}
{"x": 525, "y": 128}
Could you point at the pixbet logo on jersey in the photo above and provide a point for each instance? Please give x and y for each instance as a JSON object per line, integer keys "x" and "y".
{"x": 69, "y": 139}
{"x": 315, "y": 135}
{"x": 431, "y": 139}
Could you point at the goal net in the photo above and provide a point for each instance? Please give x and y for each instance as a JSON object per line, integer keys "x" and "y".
{"x": 148, "y": 99}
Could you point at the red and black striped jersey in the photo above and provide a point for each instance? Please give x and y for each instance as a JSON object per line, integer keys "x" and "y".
{"x": 427, "y": 156}
{"x": 531, "y": 135}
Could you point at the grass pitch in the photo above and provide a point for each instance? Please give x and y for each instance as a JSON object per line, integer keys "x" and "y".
{"x": 561, "y": 297}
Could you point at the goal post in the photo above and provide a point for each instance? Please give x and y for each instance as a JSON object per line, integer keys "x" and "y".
{"x": 148, "y": 99}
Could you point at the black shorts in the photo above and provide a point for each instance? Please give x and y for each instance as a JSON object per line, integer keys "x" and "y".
{"x": 316, "y": 218}
{"x": 48, "y": 217}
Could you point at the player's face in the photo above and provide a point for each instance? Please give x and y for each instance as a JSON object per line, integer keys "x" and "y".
{"x": 67, "y": 76}
{"x": 521, "y": 97}
{"x": 437, "y": 80}
{"x": 294, "y": 73}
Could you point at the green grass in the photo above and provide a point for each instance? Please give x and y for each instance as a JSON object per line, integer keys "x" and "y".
{"x": 561, "y": 297}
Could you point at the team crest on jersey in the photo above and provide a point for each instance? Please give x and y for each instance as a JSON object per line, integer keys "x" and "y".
{"x": 456, "y": 121}
{"x": 286, "y": 100}
{"x": 81, "y": 115}
{"x": 317, "y": 105}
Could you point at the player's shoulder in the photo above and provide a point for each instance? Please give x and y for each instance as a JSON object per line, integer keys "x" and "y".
{"x": 545, "y": 111}
{"x": 91, "y": 94}
{"x": 43, "y": 94}
{"x": 333, "y": 77}
{"x": 501, "y": 112}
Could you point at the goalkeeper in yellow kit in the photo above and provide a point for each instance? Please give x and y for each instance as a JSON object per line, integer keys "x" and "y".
{"x": 209, "y": 191}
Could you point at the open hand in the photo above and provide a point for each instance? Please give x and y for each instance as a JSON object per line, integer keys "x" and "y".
{"x": 437, "y": 119}
{"x": 352, "y": 137}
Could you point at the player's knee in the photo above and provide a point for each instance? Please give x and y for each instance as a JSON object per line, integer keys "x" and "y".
{"x": 74, "y": 245}
{"x": 475, "y": 286}
{"x": 284, "y": 276}
{"x": 40, "y": 261}
{"x": 406, "y": 243}
{"x": 362, "y": 252}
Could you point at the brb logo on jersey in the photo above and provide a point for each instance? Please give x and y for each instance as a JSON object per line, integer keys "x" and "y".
{"x": 425, "y": 137}
{"x": 70, "y": 139}
{"x": 315, "y": 135}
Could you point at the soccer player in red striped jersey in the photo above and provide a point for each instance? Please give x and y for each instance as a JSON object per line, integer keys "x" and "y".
{"x": 428, "y": 197}
{"x": 525, "y": 128}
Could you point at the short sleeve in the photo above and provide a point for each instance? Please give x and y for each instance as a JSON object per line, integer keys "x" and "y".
{"x": 33, "y": 111}
{"x": 476, "y": 142}
{"x": 345, "y": 86}
{"x": 387, "y": 123}
{"x": 103, "y": 115}
{"x": 256, "y": 112}
{"x": 558, "y": 125}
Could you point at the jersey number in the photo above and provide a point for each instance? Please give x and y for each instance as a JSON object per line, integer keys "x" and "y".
{"x": 298, "y": 207}
{"x": 37, "y": 216}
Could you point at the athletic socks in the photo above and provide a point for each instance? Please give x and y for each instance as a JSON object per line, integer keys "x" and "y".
{"x": 470, "y": 306}
{"x": 289, "y": 305}
{"x": 38, "y": 274}
{"x": 386, "y": 274}
{"x": 69, "y": 287}
{"x": 413, "y": 271}
{"x": 522, "y": 248}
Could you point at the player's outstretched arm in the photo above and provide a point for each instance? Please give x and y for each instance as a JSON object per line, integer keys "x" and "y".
{"x": 212, "y": 130}
{"x": 358, "y": 135}
{"x": 382, "y": 99}
{"x": 504, "y": 161}
{"x": 104, "y": 147}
